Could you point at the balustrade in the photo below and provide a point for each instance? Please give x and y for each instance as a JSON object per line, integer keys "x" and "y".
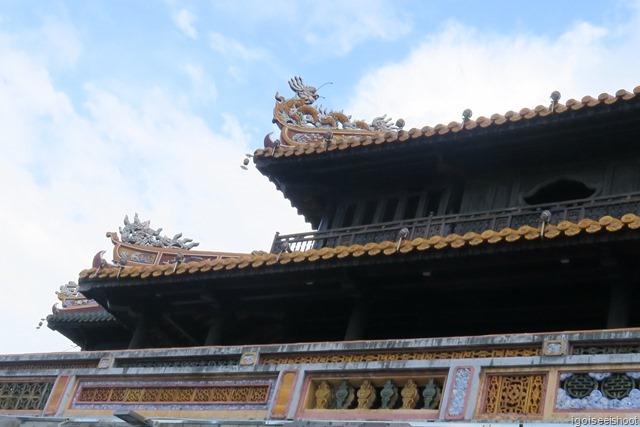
{"x": 399, "y": 393}
{"x": 478, "y": 222}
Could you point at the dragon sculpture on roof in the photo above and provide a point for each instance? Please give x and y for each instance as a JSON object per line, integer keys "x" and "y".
{"x": 139, "y": 244}
{"x": 140, "y": 233}
{"x": 303, "y": 123}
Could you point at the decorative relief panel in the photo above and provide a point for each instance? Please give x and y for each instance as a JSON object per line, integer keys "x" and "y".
{"x": 598, "y": 390}
{"x": 240, "y": 394}
{"x": 377, "y": 393}
{"x": 513, "y": 394}
{"x": 605, "y": 349}
{"x": 176, "y": 363}
{"x": 273, "y": 359}
{"x": 24, "y": 395}
{"x": 78, "y": 364}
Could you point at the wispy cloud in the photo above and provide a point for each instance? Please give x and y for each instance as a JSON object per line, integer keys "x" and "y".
{"x": 336, "y": 28}
{"x": 184, "y": 21}
{"x": 329, "y": 28}
{"x": 202, "y": 87}
{"x": 233, "y": 48}
{"x": 55, "y": 43}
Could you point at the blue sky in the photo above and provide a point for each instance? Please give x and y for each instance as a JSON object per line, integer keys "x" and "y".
{"x": 113, "y": 107}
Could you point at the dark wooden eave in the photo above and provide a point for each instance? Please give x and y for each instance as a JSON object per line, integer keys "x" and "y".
{"x": 531, "y": 286}
{"x": 90, "y": 330}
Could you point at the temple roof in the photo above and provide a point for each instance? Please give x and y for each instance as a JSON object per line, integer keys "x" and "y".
{"x": 565, "y": 229}
{"x": 161, "y": 279}
{"x": 307, "y": 130}
{"x": 343, "y": 157}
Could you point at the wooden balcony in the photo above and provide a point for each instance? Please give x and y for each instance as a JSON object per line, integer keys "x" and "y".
{"x": 514, "y": 218}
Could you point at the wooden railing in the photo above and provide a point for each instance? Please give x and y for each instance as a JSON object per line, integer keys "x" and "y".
{"x": 478, "y": 222}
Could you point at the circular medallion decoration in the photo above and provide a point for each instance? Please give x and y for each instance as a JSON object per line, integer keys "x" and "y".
{"x": 580, "y": 385}
{"x": 617, "y": 386}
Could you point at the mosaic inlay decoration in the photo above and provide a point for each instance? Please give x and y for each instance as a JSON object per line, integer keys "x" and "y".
{"x": 239, "y": 394}
{"x": 459, "y": 392}
{"x": 24, "y": 395}
{"x": 554, "y": 347}
{"x": 272, "y": 359}
{"x": 599, "y": 390}
{"x": 512, "y": 394}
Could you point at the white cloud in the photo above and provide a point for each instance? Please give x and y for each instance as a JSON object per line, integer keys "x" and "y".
{"x": 188, "y": 176}
{"x": 72, "y": 175}
{"x": 233, "y": 48}
{"x": 48, "y": 165}
{"x": 184, "y": 21}
{"x": 461, "y": 67}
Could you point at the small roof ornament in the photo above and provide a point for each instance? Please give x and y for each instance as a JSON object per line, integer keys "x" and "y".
{"x": 466, "y": 115}
{"x": 555, "y": 97}
{"x": 69, "y": 290}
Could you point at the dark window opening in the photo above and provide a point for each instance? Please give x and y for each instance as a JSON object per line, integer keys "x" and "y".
{"x": 349, "y": 214}
{"x": 455, "y": 199}
{"x": 328, "y": 221}
{"x": 390, "y": 210}
{"x": 432, "y": 205}
{"x": 559, "y": 191}
{"x": 411, "y": 207}
{"x": 369, "y": 212}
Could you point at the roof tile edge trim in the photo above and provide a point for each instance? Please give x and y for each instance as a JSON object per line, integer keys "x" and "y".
{"x": 455, "y": 241}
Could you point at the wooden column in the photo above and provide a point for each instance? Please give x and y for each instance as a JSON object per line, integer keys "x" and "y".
{"x": 619, "y": 304}
{"x": 214, "y": 336}
{"x": 357, "y": 321}
{"x": 140, "y": 335}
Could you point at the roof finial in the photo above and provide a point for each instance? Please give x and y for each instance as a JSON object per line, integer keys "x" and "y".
{"x": 555, "y": 97}
{"x": 466, "y": 115}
